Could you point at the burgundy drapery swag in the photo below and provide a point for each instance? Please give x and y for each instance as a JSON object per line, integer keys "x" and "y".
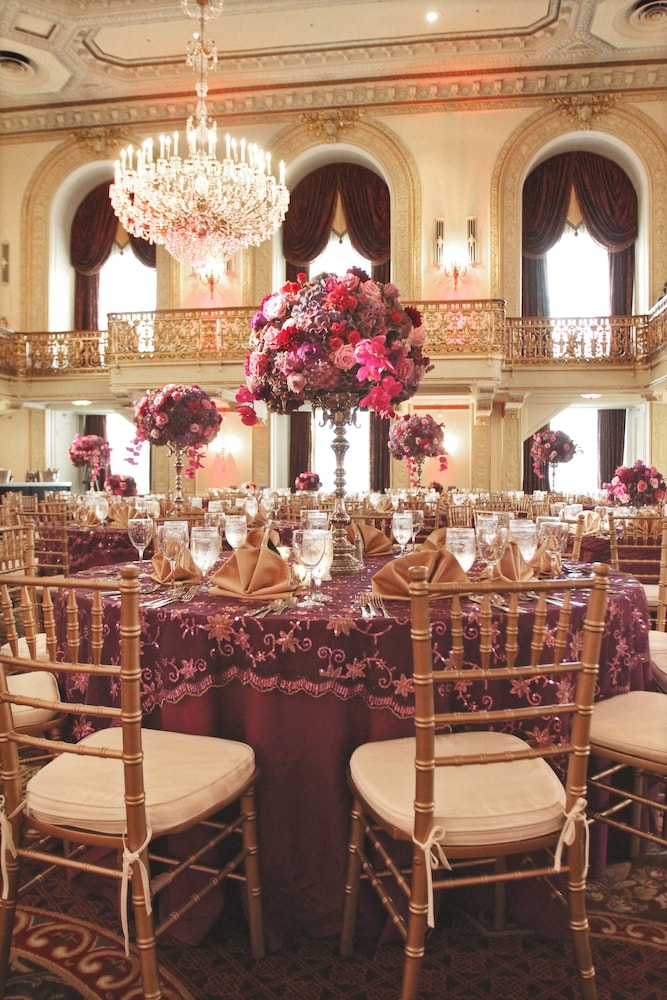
{"x": 92, "y": 236}
{"x": 366, "y": 204}
{"x": 608, "y": 203}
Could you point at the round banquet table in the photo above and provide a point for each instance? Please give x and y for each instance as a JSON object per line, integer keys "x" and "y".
{"x": 90, "y": 548}
{"x": 304, "y": 688}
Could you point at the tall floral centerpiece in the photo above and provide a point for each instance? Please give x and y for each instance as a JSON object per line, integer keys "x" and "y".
{"x": 120, "y": 486}
{"x": 307, "y": 482}
{"x": 182, "y": 417}
{"x": 551, "y": 448}
{"x": 338, "y": 343}
{"x": 637, "y": 485}
{"x": 415, "y": 438}
{"x": 91, "y": 451}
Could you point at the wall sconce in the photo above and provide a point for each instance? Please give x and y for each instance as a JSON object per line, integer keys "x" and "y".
{"x": 213, "y": 273}
{"x": 472, "y": 243}
{"x": 225, "y": 446}
{"x": 4, "y": 263}
{"x": 456, "y": 269}
{"x": 439, "y": 256}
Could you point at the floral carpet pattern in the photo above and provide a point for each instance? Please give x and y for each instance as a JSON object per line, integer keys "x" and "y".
{"x": 79, "y": 954}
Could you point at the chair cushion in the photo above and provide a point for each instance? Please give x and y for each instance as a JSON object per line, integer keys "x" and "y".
{"x": 38, "y": 684}
{"x": 634, "y": 723}
{"x": 42, "y": 652}
{"x": 651, "y": 591}
{"x": 657, "y": 642}
{"x": 476, "y": 803}
{"x": 185, "y": 777}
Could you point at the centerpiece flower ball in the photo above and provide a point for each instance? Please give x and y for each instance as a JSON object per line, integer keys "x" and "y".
{"x": 179, "y": 416}
{"x": 415, "y": 438}
{"x": 120, "y": 486}
{"x": 344, "y": 335}
{"x": 307, "y": 481}
{"x": 90, "y": 450}
{"x": 637, "y": 485}
{"x": 551, "y": 448}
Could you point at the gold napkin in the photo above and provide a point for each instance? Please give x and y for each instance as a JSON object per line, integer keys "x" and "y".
{"x": 592, "y": 522}
{"x": 511, "y": 567}
{"x": 89, "y": 519}
{"x": 393, "y": 580}
{"x": 167, "y": 507}
{"x": 186, "y": 569}
{"x": 435, "y": 539}
{"x": 255, "y": 537}
{"x": 119, "y": 515}
{"x": 251, "y": 572}
{"x": 374, "y": 541}
{"x": 384, "y": 505}
{"x": 542, "y": 565}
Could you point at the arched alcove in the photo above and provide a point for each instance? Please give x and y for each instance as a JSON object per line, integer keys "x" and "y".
{"x": 629, "y": 138}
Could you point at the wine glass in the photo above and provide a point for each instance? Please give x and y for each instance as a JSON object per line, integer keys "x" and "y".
{"x": 553, "y": 534}
{"x": 417, "y": 525}
{"x": 308, "y": 546}
{"x": 321, "y": 570}
{"x": 171, "y": 540}
{"x": 492, "y": 538}
{"x": 236, "y": 529}
{"x": 401, "y": 528}
{"x": 140, "y": 532}
{"x": 461, "y": 543}
{"x": 251, "y": 508}
{"x": 101, "y": 508}
{"x": 524, "y": 533}
{"x": 205, "y": 545}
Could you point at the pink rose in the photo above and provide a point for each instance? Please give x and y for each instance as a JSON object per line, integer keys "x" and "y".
{"x": 161, "y": 419}
{"x": 257, "y": 364}
{"x": 271, "y": 338}
{"x": 369, "y": 290}
{"x": 296, "y": 382}
{"x": 275, "y": 307}
{"x": 405, "y": 369}
{"x": 351, "y": 281}
{"x": 417, "y": 337}
{"x": 344, "y": 357}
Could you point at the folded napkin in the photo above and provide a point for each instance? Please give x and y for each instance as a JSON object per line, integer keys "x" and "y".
{"x": 511, "y": 567}
{"x": 255, "y": 573}
{"x": 167, "y": 507}
{"x": 89, "y": 519}
{"x": 393, "y": 580}
{"x": 119, "y": 515}
{"x": 255, "y": 538}
{"x": 374, "y": 541}
{"x": 384, "y": 505}
{"x": 592, "y": 522}
{"x": 542, "y": 565}
{"x": 186, "y": 569}
{"x": 435, "y": 539}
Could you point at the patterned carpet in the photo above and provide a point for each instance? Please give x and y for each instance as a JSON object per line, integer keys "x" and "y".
{"x": 79, "y": 955}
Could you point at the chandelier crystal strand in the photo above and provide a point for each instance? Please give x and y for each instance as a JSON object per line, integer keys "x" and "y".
{"x": 200, "y": 207}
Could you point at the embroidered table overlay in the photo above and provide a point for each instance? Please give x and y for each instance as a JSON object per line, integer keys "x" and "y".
{"x": 304, "y": 688}
{"x": 90, "y": 548}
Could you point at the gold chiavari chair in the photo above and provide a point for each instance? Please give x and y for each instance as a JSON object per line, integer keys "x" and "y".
{"x": 122, "y": 787}
{"x": 478, "y": 804}
{"x": 634, "y": 542}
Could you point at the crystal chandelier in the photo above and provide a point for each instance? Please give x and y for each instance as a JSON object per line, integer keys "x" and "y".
{"x": 200, "y": 207}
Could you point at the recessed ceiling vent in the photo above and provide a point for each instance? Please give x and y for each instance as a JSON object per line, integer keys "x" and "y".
{"x": 649, "y": 13}
{"x": 14, "y": 65}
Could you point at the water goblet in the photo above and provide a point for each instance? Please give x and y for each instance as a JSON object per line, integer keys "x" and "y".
{"x": 171, "y": 540}
{"x": 205, "y": 548}
{"x": 417, "y": 525}
{"x": 492, "y": 538}
{"x": 401, "y": 528}
{"x": 236, "y": 529}
{"x": 308, "y": 546}
{"x": 461, "y": 543}
{"x": 322, "y": 569}
{"x": 101, "y": 508}
{"x": 524, "y": 533}
{"x": 140, "y": 532}
{"x": 552, "y": 533}
{"x": 317, "y": 519}
{"x": 251, "y": 508}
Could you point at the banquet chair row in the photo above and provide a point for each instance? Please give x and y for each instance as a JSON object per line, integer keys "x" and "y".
{"x": 635, "y": 547}
{"x": 473, "y": 803}
{"x": 50, "y": 522}
{"x": 123, "y": 790}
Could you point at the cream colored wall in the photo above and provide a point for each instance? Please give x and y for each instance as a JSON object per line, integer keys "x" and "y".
{"x": 22, "y": 441}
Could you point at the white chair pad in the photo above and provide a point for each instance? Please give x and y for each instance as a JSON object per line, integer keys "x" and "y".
{"x": 634, "y": 723}
{"x": 185, "y": 776}
{"x": 41, "y": 650}
{"x": 38, "y": 684}
{"x": 657, "y": 642}
{"x": 476, "y": 804}
{"x": 651, "y": 591}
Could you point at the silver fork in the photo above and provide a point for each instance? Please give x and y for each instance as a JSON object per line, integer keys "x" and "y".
{"x": 377, "y": 602}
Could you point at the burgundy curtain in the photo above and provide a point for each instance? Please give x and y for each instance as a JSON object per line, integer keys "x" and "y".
{"x": 380, "y": 459}
{"x": 92, "y": 236}
{"x": 366, "y": 204}
{"x": 608, "y": 204}
{"x": 299, "y": 444}
{"x": 611, "y": 443}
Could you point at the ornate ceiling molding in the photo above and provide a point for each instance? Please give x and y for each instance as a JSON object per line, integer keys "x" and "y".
{"x": 585, "y": 111}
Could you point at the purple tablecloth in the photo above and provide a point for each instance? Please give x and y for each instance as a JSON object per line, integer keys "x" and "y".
{"x": 304, "y": 690}
{"x": 93, "y": 547}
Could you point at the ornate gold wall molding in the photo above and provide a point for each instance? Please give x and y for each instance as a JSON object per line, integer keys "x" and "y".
{"x": 631, "y": 132}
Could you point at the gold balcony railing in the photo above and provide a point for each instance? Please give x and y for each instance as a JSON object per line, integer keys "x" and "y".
{"x": 452, "y": 328}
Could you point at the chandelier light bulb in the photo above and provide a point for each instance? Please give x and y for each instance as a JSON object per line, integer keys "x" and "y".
{"x": 199, "y": 207}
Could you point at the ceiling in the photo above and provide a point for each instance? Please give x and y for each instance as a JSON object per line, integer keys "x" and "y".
{"x": 61, "y": 55}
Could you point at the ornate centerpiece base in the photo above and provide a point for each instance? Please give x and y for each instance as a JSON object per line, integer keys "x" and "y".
{"x": 178, "y": 499}
{"x": 339, "y": 410}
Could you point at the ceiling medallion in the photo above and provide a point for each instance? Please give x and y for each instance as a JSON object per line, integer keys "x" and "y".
{"x": 649, "y": 13}
{"x": 203, "y": 208}
{"x": 14, "y": 66}
{"x": 585, "y": 110}
{"x": 330, "y": 125}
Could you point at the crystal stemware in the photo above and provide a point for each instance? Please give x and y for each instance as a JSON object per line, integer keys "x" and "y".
{"x": 322, "y": 570}
{"x": 552, "y": 533}
{"x": 308, "y": 546}
{"x": 461, "y": 543}
{"x": 101, "y": 508}
{"x": 172, "y": 537}
{"x": 236, "y": 529}
{"x": 205, "y": 548}
{"x": 140, "y": 532}
{"x": 401, "y": 528}
{"x": 492, "y": 538}
{"x": 417, "y": 525}
{"x": 524, "y": 533}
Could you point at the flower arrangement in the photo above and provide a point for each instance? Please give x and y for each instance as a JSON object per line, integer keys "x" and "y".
{"x": 436, "y": 486}
{"x": 346, "y": 335}
{"x": 248, "y": 486}
{"x": 307, "y": 481}
{"x": 90, "y": 450}
{"x": 180, "y": 416}
{"x": 551, "y": 448}
{"x": 120, "y": 486}
{"x": 415, "y": 438}
{"x": 637, "y": 485}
